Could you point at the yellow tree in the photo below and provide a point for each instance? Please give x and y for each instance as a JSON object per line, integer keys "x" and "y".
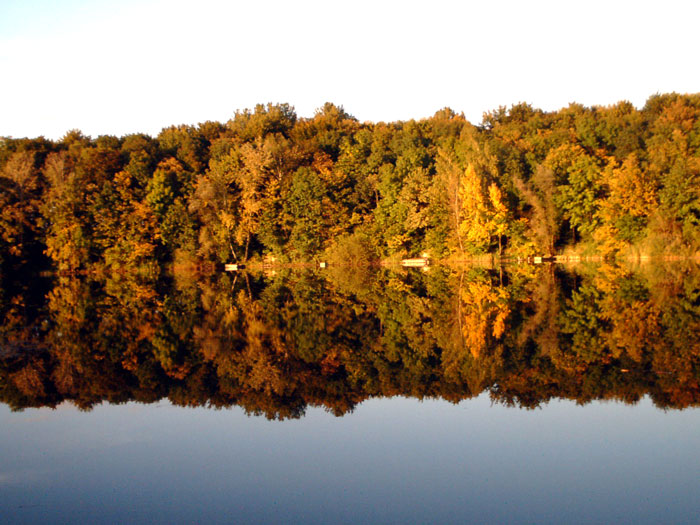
{"x": 473, "y": 227}
{"x": 215, "y": 200}
{"x": 632, "y": 197}
{"x": 450, "y": 173}
{"x": 483, "y": 214}
{"x": 499, "y": 217}
{"x": 19, "y": 187}
{"x": 66, "y": 241}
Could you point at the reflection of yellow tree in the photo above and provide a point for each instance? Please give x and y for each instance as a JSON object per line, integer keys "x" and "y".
{"x": 635, "y": 327}
{"x": 17, "y": 342}
{"x": 261, "y": 361}
{"x": 68, "y": 303}
{"x": 541, "y": 326}
{"x": 245, "y": 349}
{"x": 482, "y": 311}
{"x": 298, "y": 342}
{"x": 632, "y": 318}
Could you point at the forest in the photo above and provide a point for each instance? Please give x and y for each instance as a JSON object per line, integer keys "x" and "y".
{"x": 615, "y": 181}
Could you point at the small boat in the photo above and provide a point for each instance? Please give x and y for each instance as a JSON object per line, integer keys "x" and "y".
{"x": 416, "y": 263}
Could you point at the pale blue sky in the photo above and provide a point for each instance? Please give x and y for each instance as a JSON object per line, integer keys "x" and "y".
{"x": 124, "y": 67}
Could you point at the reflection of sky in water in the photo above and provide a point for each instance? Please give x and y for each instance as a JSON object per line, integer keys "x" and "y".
{"x": 397, "y": 460}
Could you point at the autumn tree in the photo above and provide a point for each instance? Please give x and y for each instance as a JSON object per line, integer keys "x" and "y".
{"x": 542, "y": 218}
{"x": 580, "y": 193}
{"x": 215, "y": 201}
{"x": 67, "y": 241}
{"x": 20, "y": 191}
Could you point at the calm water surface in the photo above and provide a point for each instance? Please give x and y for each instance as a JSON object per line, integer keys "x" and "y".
{"x": 393, "y": 460}
{"x": 526, "y": 395}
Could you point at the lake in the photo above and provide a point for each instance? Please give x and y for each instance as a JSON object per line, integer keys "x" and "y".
{"x": 527, "y": 394}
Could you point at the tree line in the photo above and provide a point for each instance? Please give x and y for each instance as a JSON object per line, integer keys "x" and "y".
{"x": 614, "y": 180}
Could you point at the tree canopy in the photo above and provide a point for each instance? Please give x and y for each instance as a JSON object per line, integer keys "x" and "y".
{"x": 613, "y": 180}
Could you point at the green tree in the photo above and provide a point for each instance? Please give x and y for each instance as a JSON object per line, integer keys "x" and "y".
{"x": 302, "y": 213}
{"x": 581, "y": 193}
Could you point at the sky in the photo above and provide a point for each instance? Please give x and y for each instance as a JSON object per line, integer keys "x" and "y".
{"x": 139, "y": 66}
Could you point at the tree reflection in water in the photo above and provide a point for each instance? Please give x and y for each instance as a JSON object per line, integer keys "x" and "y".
{"x": 333, "y": 338}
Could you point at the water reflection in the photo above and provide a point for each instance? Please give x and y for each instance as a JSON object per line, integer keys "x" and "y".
{"x": 275, "y": 345}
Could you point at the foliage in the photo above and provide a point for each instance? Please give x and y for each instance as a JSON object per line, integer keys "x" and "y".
{"x": 525, "y": 182}
{"x": 277, "y": 345}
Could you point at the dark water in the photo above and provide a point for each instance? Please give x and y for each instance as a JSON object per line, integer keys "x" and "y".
{"x": 531, "y": 394}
